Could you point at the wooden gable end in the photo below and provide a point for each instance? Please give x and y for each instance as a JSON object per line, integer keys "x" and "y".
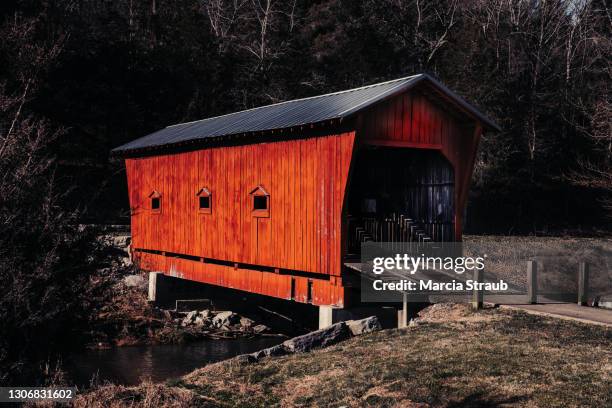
{"x": 420, "y": 120}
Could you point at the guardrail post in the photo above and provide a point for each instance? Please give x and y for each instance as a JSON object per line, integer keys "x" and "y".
{"x": 403, "y": 315}
{"x": 583, "y": 283}
{"x": 532, "y": 282}
{"x": 478, "y": 294}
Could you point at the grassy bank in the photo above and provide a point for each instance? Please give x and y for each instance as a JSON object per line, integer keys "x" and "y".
{"x": 453, "y": 357}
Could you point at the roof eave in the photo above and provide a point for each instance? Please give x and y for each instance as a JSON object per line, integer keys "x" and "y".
{"x": 315, "y": 126}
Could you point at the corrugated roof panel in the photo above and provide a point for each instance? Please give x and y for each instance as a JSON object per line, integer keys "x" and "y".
{"x": 288, "y": 114}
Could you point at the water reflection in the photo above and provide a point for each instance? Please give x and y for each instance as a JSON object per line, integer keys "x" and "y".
{"x": 132, "y": 365}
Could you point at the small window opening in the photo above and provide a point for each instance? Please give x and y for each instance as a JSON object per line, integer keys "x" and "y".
{"x": 309, "y": 292}
{"x": 204, "y": 201}
{"x": 292, "y": 288}
{"x": 156, "y": 204}
{"x": 260, "y": 202}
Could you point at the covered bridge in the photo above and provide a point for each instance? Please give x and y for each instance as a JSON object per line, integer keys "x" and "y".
{"x": 276, "y": 200}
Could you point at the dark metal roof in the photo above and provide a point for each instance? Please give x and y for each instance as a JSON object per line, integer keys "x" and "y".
{"x": 298, "y": 112}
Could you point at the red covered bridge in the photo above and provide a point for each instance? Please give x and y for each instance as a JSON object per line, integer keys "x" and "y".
{"x": 275, "y": 200}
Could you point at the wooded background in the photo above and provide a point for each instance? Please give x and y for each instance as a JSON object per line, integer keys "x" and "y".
{"x": 79, "y": 77}
{"x": 90, "y": 75}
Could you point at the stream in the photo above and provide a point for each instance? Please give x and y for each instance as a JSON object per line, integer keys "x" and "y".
{"x": 158, "y": 363}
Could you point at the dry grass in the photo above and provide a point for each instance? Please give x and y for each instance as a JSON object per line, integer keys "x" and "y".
{"x": 452, "y": 358}
{"x": 146, "y": 396}
{"x": 126, "y": 318}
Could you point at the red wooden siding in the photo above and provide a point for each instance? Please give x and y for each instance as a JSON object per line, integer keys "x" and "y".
{"x": 411, "y": 120}
{"x": 306, "y": 180}
{"x": 324, "y": 292}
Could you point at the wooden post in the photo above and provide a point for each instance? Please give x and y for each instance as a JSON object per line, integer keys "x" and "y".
{"x": 583, "y": 283}
{"x": 532, "y": 282}
{"x": 478, "y": 294}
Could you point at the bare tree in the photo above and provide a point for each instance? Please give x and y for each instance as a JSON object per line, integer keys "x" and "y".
{"x": 269, "y": 17}
{"x": 447, "y": 20}
{"x": 223, "y": 15}
{"x": 43, "y": 267}
{"x": 251, "y": 25}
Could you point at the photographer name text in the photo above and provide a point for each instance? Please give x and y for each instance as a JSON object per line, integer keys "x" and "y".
{"x": 406, "y": 285}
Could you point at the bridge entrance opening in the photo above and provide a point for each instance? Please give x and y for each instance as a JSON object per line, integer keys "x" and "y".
{"x": 400, "y": 195}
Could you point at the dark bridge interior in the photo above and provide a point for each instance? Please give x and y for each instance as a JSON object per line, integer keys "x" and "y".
{"x": 400, "y": 195}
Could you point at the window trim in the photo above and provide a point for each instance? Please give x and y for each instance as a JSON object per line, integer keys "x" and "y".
{"x": 204, "y": 192}
{"x": 155, "y": 195}
{"x": 260, "y": 191}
